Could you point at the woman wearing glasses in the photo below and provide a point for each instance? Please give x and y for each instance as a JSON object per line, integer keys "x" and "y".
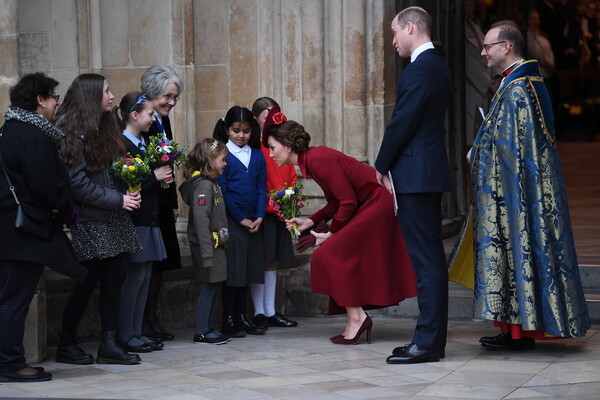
{"x": 162, "y": 85}
{"x": 28, "y": 157}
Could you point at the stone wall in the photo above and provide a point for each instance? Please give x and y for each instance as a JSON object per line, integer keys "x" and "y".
{"x": 329, "y": 63}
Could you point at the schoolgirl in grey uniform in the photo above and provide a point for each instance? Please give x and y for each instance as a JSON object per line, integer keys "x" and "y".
{"x": 207, "y": 231}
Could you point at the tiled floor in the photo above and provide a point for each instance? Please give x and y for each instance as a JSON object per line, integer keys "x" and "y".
{"x": 301, "y": 363}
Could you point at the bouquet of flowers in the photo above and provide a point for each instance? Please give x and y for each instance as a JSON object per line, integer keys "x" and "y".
{"x": 130, "y": 170}
{"x": 288, "y": 201}
{"x": 162, "y": 151}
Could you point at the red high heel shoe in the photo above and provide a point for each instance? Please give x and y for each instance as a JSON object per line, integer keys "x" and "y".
{"x": 366, "y": 326}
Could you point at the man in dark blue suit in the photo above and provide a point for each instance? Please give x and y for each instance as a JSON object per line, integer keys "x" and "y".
{"x": 414, "y": 153}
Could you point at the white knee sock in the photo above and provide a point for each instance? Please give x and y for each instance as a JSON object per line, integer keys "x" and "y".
{"x": 269, "y": 292}
{"x": 257, "y": 291}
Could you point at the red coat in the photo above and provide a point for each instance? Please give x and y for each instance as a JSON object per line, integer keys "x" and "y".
{"x": 277, "y": 177}
{"x": 365, "y": 262}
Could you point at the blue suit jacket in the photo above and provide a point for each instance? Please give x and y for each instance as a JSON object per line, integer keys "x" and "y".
{"x": 413, "y": 146}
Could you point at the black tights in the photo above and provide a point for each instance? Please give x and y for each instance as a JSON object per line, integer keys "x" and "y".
{"x": 150, "y": 312}
{"x": 110, "y": 273}
{"x": 234, "y": 300}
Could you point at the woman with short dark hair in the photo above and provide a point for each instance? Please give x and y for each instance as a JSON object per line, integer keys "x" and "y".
{"x": 28, "y": 156}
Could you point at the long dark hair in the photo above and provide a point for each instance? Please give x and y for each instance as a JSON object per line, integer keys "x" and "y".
{"x": 237, "y": 114}
{"x": 91, "y": 135}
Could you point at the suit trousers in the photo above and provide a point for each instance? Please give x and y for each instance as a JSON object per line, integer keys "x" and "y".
{"x": 18, "y": 280}
{"x": 419, "y": 215}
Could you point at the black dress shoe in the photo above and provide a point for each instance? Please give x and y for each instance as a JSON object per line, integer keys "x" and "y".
{"x": 281, "y": 321}
{"x": 413, "y": 354}
{"x": 248, "y": 326}
{"x": 261, "y": 320}
{"x": 13, "y": 376}
{"x": 502, "y": 337}
{"x": 400, "y": 350}
{"x": 504, "y": 342}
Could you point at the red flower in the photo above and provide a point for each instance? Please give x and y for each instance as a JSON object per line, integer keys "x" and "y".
{"x": 279, "y": 118}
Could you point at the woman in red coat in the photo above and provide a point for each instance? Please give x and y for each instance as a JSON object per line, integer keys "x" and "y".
{"x": 362, "y": 261}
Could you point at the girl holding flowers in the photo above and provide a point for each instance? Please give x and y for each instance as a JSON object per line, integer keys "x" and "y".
{"x": 207, "y": 231}
{"x": 103, "y": 233}
{"x": 277, "y": 243}
{"x": 362, "y": 261}
{"x": 244, "y": 191}
{"x": 135, "y": 114}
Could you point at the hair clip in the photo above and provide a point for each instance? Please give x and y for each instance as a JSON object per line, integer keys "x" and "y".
{"x": 140, "y": 100}
{"x": 214, "y": 145}
{"x": 223, "y": 119}
{"x": 278, "y": 118}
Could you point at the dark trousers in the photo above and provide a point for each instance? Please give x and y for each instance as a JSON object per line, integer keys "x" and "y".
{"x": 18, "y": 280}
{"x": 111, "y": 274}
{"x": 420, "y": 219}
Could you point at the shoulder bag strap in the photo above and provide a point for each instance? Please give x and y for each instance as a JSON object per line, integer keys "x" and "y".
{"x": 10, "y": 185}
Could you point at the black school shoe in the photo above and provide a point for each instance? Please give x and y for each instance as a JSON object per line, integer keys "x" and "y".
{"x": 261, "y": 320}
{"x": 217, "y": 338}
{"x": 248, "y": 326}
{"x": 13, "y": 376}
{"x": 231, "y": 328}
{"x": 281, "y": 321}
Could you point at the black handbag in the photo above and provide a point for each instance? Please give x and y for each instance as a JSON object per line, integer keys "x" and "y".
{"x": 32, "y": 221}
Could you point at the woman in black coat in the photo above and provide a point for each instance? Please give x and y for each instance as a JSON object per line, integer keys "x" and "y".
{"x": 163, "y": 86}
{"x": 41, "y": 183}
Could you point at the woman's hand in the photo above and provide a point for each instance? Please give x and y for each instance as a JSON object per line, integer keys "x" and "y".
{"x": 164, "y": 174}
{"x": 321, "y": 237}
{"x": 132, "y": 200}
{"x": 302, "y": 223}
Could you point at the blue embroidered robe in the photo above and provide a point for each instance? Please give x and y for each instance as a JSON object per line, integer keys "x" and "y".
{"x": 519, "y": 233}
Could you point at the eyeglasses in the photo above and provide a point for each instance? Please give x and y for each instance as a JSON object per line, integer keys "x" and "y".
{"x": 487, "y": 47}
{"x": 55, "y": 96}
{"x": 139, "y": 101}
{"x": 169, "y": 97}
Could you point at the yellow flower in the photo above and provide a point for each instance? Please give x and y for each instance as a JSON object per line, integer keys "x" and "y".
{"x": 137, "y": 159}
{"x": 132, "y": 167}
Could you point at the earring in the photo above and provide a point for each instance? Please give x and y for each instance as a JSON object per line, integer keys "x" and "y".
{"x": 289, "y": 150}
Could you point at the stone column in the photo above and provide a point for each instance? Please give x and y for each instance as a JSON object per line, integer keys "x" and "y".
{"x": 9, "y": 48}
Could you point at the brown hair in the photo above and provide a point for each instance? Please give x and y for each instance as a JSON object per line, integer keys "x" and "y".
{"x": 201, "y": 156}
{"x": 292, "y": 134}
{"x": 91, "y": 135}
{"x": 261, "y": 104}
{"x": 132, "y": 101}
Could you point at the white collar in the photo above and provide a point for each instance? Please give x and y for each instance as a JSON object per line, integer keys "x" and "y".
{"x": 420, "y": 49}
{"x": 234, "y": 148}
